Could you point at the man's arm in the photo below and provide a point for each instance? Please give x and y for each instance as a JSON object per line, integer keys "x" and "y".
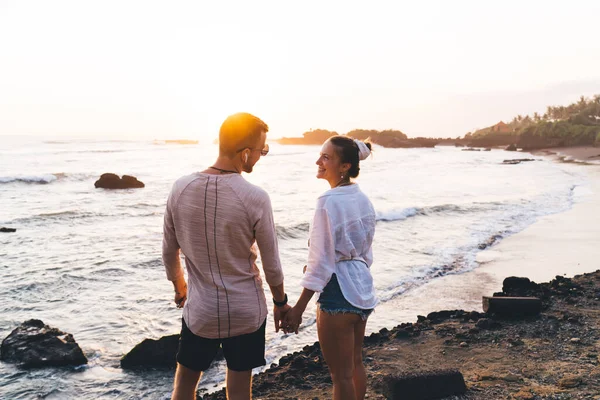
{"x": 266, "y": 238}
{"x": 170, "y": 256}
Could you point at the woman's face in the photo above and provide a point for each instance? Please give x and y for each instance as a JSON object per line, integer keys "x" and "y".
{"x": 330, "y": 166}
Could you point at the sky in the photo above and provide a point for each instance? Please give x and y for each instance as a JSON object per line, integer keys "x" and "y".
{"x": 159, "y": 70}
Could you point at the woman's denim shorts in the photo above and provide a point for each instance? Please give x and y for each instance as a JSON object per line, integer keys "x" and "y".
{"x": 332, "y": 301}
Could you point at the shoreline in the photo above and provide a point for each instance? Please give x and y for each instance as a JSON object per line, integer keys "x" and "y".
{"x": 580, "y": 154}
{"x": 557, "y": 244}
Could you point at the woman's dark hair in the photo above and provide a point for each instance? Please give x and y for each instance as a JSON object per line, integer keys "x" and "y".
{"x": 347, "y": 151}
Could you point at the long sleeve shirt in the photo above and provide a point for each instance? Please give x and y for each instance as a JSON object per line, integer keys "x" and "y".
{"x": 341, "y": 236}
{"x": 217, "y": 221}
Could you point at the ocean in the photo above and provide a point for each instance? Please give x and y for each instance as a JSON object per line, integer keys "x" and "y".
{"x": 87, "y": 261}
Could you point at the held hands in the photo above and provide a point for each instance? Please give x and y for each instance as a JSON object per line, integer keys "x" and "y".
{"x": 292, "y": 320}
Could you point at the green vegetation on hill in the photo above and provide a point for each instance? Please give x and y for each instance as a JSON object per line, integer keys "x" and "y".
{"x": 577, "y": 124}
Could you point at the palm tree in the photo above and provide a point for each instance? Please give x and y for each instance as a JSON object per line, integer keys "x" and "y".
{"x": 536, "y": 117}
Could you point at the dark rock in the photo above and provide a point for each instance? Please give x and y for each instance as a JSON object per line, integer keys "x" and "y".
{"x": 35, "y": 345}
{"x": 474, "y": 316}
{"x": 373, "y": 338}
{"x": 112, "y": 181}
{"x": 516, "y": 286}
{"x": 471, "y": 149}
{"x": 512, "y": 306}
{"x": 486, "y": 323}
{"x": 439, "y": 316}
{"x": 152, "y": 353}
{"x": 401, "y": 334}
{"x": 7, "y": 230}
{"x": 488, "y": 149}
{"x": 422, "y": 385}
{"x": 511, "y": 147}
{"x": 517, "y": 161}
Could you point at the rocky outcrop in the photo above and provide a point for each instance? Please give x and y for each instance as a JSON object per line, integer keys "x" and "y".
{"x": 35, "y": 345}
{"x": 112, "y": 181}
{"x": 152, "y": 353}
{"x": 548, "y": 347}
{"x": 7, "y": 230}
{"x": 511, "y": 147}
{"x": 387, "y": 138}
{"x": 317, "y": 136}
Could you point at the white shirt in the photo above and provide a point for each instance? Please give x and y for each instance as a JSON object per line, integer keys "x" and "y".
{"x": 340, "y": 242}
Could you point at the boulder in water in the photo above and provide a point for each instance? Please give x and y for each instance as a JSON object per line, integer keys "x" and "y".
{"x": 152, "y": 353}
{"x": 112, "y": 181}
{"x": 34, "y": 344}
{"x": 7, "y": 230}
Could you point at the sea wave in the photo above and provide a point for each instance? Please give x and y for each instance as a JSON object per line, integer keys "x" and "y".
{"x": 45, "y": 179}
{"x": 65, "y": 215}
{"x": 35, "y": 179}
{"x": 461, "y": 260}
{"x": 405, "y": 213}
{"x": 293, "y": 231}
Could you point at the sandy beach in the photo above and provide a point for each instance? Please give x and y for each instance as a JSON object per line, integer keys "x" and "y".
{"x": 563, "y": 244}
{"x": 585, "y": 154}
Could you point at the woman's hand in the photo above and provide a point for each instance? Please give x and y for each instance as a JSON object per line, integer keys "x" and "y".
{"x": 293, "y": 319}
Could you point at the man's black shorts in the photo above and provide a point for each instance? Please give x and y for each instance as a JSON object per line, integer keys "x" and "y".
{"x": 242, "y": 353}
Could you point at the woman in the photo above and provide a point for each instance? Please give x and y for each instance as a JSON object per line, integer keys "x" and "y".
{"x": 339, "y": 258}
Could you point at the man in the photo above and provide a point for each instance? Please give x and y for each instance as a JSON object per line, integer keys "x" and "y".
{"x": 216, "y": 218}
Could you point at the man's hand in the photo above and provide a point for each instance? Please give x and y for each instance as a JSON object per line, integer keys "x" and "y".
{"x": 279, "y": 314}
{"x": 180, "y": 287}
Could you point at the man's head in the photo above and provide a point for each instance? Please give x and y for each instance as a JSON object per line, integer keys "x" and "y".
{"x": 242, "y": 138}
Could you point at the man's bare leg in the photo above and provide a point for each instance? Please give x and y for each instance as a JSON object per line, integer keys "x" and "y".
{"x": 186, "y": 382}
{"x": 239, "y": 385}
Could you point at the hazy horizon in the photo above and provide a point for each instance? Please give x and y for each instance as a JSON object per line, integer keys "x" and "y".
{"x": 147, "y": 70}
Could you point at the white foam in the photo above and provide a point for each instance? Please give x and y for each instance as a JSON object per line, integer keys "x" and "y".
{"x": 42, "y": 179}
{"x": 396, "y": 215}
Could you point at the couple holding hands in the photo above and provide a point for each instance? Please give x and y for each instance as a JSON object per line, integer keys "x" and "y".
{"x": 217, "y": 220}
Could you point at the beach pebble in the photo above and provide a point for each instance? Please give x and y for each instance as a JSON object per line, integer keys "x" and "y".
{"x": 464, "y": 344}
{"x": 569, "y": 381}
{"x": 575, "y": 340}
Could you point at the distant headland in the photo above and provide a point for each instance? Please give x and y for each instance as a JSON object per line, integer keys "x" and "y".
{"x": 387, "y": 138}
{"x": 577, "y": 124}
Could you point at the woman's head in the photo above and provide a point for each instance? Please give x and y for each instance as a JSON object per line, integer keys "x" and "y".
{"x": 340, "y": 158}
